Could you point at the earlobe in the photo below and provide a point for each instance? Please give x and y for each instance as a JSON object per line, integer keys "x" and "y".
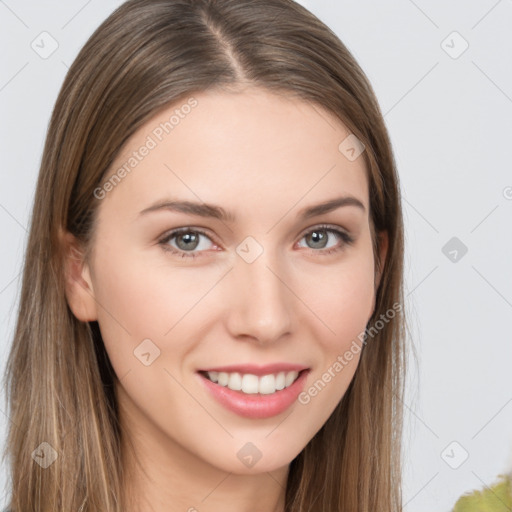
{"x": 79, "y": 289}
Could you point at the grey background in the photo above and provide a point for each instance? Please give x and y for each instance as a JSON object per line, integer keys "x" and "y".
{"x": 450, "y": 119}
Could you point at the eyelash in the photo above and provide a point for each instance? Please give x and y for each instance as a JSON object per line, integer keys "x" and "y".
{"x": 345, "y": 237}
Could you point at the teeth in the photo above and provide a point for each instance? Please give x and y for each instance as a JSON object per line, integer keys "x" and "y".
{"x": 235, "y": 381}
{"x": 280, "y": 381}
{"x": 290, "y": 377}
{"x": 252, "y": 384}
{"x": 223, "y": 379}
{"x": 213, "y": 376}
{"x": 267, "y": 385}
{"x": 249, "y": 383}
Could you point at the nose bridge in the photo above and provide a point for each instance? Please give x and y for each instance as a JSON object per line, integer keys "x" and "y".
{"x": 261, "y": 306}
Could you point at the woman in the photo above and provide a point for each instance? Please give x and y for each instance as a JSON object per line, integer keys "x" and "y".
{"x": 211, "y": 313}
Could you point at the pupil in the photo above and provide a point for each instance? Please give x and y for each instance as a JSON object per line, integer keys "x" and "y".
{"x": 318, "y": 238}
{"x": 188, "y": 237}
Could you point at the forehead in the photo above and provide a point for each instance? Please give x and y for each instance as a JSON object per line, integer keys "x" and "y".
{"x": 247, "y": 149}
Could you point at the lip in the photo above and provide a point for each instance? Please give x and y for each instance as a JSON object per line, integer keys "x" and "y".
{"x": 256, "y": 406}
{"x": 258, "y": 370}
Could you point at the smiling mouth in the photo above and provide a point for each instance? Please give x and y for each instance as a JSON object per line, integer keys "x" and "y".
{"x": 251, "y": 384}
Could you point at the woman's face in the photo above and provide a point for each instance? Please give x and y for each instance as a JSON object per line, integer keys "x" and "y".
{"x": 267, "y": 290}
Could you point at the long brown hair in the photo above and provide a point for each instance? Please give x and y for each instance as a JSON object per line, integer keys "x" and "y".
{"x": 146, "y": 56}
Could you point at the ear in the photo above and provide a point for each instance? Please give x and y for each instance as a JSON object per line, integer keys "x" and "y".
{"x": 79, "y": 289}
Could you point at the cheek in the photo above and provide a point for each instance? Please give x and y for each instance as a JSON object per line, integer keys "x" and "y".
{"x": 344, "y": 305}
{"x": 140, "y": 301}
{"x": 342, "y": 300}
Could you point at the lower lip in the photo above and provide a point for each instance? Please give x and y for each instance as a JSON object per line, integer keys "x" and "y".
{"x": 256, "y": 405}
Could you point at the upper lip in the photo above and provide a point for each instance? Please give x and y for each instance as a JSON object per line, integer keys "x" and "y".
{"x": 257, "y": 369}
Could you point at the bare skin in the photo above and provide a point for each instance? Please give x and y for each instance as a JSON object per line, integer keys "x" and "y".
{"x": 263, "y": 158}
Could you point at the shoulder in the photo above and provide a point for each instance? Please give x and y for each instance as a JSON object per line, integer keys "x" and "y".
{"x": 497, "y": 498}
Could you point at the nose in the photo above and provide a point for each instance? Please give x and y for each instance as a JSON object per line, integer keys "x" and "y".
{"x": 261, "y": 300}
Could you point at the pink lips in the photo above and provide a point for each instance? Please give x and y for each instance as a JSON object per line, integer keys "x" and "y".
{"x": 256, "y": 406}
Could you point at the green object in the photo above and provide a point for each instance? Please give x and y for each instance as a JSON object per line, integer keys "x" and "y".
{"x": 497, "y": 498}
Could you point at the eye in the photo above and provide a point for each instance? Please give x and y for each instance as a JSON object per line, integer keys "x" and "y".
{"x": 187, "y": 240}
{"x": 319, "y": 238}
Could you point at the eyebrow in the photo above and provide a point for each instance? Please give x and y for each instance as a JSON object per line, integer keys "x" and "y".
{"x": 217, "y": 212}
